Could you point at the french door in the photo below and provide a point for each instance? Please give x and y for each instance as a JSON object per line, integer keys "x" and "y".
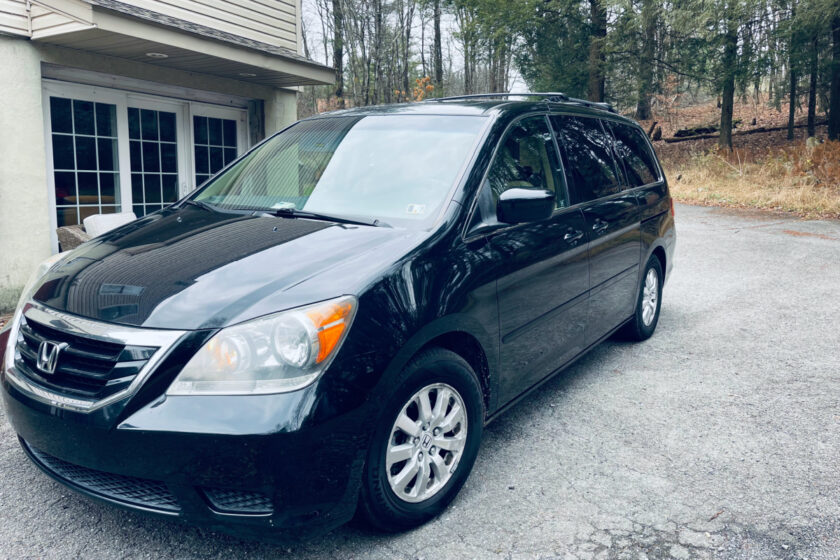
{"x": 114, "y": 151}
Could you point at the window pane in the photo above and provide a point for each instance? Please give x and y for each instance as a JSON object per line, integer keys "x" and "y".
{"x": 85, "y": 152}
{"x": 169, "y": 184}
{"x": 634, "y": 151}
{"x": 216, "y": 159}
{"x": 168, "y": 158}
{"x": 229, "y": 134}
{"x": 214, "y": 129}
{"x": 151, "y": 186}
{"x": 587, "y": 157}
{"x": 85, "y": 211}
{"x": 63, "y": 156}
{"x": 137, "y": 188}
{"x": 167, "y": 126}
{"x": 108, "y": 190}
{"x": 106, "y": 120}
{"x": 107, "y": 154}
{"x": 151, "y": 157}
{"x": 202, "y": 160}
{"x": 230, "y": 155}
{"x": 60, "y": 115}
{"x": 65, "y": 187}
{"x": 148, "y": 124}
{"x": 88, "y": 188}
{"x": 134, "y": 123}
{"x": 200, "y": 130}
{"x": 66, "y": 216}
{"x": 83, "y": 117}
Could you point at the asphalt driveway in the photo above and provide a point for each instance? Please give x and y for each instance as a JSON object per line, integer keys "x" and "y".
{"x": 717, "y": 438}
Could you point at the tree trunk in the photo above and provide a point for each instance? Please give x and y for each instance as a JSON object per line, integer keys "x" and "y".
{"x": 597, "y": 35}
{"x": 646, "y": 60}
{"x": 338, "y": 50}
{"x": 834, "y": 98}
{"x": 438, "y": 56}
{"x": 728, "y": 96}
{"x": 812, "y": 90}
{"x": 792, "y": 72}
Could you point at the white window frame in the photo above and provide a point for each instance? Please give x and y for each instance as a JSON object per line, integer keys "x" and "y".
{"x": 184, "y": 111}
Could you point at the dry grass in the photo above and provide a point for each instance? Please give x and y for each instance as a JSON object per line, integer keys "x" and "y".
{"x": 797, "y": 178}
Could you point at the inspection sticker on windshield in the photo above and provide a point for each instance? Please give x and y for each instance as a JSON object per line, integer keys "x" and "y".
{"x": 415, "y": 209}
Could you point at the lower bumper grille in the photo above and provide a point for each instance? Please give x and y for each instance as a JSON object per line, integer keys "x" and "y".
{"x": 235, "y": 501}
{"x": 130, "y": 490}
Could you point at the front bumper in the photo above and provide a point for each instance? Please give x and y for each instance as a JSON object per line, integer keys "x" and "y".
{"x": 243, "y": 465}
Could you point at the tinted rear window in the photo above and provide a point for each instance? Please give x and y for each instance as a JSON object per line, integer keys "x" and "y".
{"x": 633, "y": 149}
{"x": 587, "y": 157}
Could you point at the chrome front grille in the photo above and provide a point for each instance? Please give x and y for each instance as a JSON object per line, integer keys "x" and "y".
{"x": 95, "y": 363}
{"x": 85, "y": 367}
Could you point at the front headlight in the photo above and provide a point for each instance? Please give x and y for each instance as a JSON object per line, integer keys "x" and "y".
{"x": 274, "y": 354}
{"x": 28, "y": 290}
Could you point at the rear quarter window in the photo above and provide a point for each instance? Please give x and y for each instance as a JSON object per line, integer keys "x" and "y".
{"x": 634, "y": 151}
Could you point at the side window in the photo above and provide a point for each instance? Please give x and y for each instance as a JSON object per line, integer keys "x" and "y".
{"x": 587, "y": 157}
{"x": 526, "y": 159}
{"x": 634, "y": 150}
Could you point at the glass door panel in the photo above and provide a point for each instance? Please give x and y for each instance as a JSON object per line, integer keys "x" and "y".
{"x": 85, "y": 159}
{"x": 153, "y": 146}
{"x": 216, "y": 145}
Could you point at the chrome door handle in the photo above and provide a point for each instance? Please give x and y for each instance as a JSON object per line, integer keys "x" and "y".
{"x": 600, "y": 225}
{"x": 573, "y": 235}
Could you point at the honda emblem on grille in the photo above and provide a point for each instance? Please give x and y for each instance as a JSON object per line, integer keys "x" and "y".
{"x": 48, "y": 353}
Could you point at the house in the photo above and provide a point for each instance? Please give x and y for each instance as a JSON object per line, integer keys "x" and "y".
{"x": 113, "y": 106}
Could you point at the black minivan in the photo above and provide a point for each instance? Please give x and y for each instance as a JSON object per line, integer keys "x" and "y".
{"x": 326, "y": 326}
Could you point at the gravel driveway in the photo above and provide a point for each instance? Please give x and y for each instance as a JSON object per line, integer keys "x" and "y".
{"x": 717, "y": 438}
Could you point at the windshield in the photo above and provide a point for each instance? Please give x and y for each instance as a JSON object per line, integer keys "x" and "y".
{"x": 397, "y": 168}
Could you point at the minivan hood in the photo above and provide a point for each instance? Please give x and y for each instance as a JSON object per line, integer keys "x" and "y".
{"x": 192, "y": 268}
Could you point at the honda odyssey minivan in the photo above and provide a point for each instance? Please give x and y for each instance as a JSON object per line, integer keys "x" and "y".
{"x": 324, "y": 328}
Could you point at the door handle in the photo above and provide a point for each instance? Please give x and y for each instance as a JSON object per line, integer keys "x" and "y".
{"x": 573, "y": 235}
{"x": 600, "y": 225}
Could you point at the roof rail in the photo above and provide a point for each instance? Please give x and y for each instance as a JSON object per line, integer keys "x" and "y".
{"x": 550, "y": 96}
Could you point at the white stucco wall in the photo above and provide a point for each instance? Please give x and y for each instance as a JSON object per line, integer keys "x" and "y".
{"x": 24, "y": 206}
{"x": 24, "y": 199}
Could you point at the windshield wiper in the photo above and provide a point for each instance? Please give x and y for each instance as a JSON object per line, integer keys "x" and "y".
{"x": 295, "y": 213}
{"x": 198, "y": 204}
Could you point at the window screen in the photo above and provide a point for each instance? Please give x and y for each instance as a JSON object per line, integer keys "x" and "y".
{"x": 587, "y": 157}
{"x": 634, "y": 151}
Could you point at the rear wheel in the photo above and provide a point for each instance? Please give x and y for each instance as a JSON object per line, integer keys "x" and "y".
{"x": 648, "y": 303}
{"x": 425, "y": 443}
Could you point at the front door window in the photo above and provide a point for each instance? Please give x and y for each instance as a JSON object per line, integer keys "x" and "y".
{"x": 85, "y": 159}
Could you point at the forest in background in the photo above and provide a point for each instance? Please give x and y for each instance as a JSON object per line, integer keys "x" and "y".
{"x": 645, "y": 58}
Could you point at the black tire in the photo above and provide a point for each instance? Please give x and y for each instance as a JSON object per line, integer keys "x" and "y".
{"x": 379, "y": 505}
{"x": 636, "y": 329}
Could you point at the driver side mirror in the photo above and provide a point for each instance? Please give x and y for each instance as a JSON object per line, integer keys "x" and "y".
{"x": 524, "y": 205}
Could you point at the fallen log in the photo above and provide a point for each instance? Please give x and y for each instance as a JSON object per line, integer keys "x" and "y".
{"x": 739, "y": 133}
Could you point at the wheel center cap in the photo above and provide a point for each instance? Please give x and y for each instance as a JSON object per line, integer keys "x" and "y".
{"x": 426, "y": 440}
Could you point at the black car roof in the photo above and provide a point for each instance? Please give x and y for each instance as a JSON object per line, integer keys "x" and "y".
{"x": 507, "y": 104}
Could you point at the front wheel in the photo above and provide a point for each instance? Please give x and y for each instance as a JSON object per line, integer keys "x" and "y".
{"x": 648, "y": 303}
{"x": 425, "y": 444}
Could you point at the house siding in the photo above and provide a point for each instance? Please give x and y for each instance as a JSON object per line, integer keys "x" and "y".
{"x": 13, "y": 18}
{"x": 273, "y": 22}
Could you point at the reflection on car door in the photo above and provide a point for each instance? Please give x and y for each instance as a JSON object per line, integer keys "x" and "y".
{"x": 611, "y": 212}
{"x": 543, "y": 276}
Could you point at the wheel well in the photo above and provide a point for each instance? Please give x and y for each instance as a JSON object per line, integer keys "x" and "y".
{"x": 468, "y": 347}
{"x": 659, "y": 253}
